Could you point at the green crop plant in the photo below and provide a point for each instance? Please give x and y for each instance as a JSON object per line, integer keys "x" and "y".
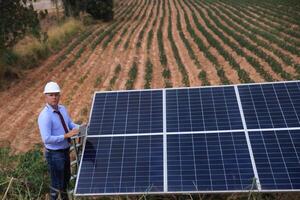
{"x": 114, "y": 78}
{"x": 131, "y": 76}
{"x": 148, "y": 75}
{"x": 203, "y": 77}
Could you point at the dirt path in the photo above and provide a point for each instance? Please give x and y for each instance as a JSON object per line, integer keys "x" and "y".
{"x": 157, "y": 80}
{"x": 190, "y": 67}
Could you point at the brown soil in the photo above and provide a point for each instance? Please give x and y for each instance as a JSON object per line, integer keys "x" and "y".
{"x": 206, "y": 65}
{"x": 261, "y": 61}
{"x": 157, "y": 80}
{"x": 294, "y": 57}
{"x": 190, "y": 67}
{"x": 23, "y": 101}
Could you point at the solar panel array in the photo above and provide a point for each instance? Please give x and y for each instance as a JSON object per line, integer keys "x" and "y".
{"x": 189, "y": 140}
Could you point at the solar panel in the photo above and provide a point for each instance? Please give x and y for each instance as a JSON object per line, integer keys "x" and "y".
{"x": 202, "y": 109}
{"x": 209, "y": 162}
{"x": 277, "y": 156}
{"x": 126, "y": 112}
{"x": 271, "y": 105}
{"x": 188, "y": 140}
{"x": 122, "y": 165}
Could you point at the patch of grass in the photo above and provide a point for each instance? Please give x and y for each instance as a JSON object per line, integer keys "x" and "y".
{"x": 98, "y": 81}
{"x": 28, "y": 52}
{"x": 82, "y": 78}
{"x": 29, "y": 173}
{"x": 148, "y": 75}
{"x": 114, "y": 78}
{"x": 203, "y": 77}
{"x": 61, "y": 34}
{"x": 132, "y": 76}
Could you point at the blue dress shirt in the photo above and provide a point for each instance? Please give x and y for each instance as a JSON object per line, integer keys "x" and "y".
{"x": 51, "y": 128}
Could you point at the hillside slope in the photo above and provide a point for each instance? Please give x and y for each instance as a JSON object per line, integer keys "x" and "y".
{"x": 171, "y": 43}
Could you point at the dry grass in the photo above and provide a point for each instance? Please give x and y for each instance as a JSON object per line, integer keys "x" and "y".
{"x": 61, "y": 34}
{"x": 57, "y": 35}
{"x": 30, "y": 47}
{"x": 30, "y": 51}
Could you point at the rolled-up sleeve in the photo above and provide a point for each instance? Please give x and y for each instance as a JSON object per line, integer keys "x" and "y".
{"x": 44, "y": 122}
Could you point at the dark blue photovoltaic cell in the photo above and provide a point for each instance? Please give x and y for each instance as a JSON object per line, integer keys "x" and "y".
{"x": 127, "y": 112}
{"x": 209, "y": 162}
{"x": 271, "y": 105}
{"x": 277, "y": 158}
{"x": 201, "y": 109}
{"x": 121, "y": 165}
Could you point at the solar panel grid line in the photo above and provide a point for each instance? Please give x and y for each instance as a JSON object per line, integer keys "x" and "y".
{"x": 185, "y": 192}
{"x": 267, "y": 106}
{"x": 253, "y": 106}
{"x": 93, "y": 171}
{"x": 206, "y": 132}
{"x": 115, "y": 113}
{"x": 271, "y": 105}
{"x": 257, "y": 181}
{"x": 103, "y": 111}
{"x": 207, "y": 107}
{"x": 283, "y": 159}
{"x": 287, "y": 168}
{"x": 193, "y": 150}
{"x": 189, "y": 105}
{"x": 122, "y": 163}
{"x": 236, "y": 158}
{"x": 109, "y": 159}
{"x": 274, "y": 129}
{"x": 208, "y": 160}
{"x": 165, "y": 151}
{"x": 135, "y": 168}
{"x": 127, "y": 113}
{"x": 223, "y": 161}
{"x": 128, "y": 135}
{"x": 214, "y": 111}
{"x": 213, "y": 174}
{"x": 292, "y": 103}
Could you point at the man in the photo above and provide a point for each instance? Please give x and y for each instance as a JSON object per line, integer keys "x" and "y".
{"x": 56, "y": 129}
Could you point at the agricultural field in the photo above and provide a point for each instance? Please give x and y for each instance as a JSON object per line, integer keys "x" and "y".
{"x": 157, "y": 44}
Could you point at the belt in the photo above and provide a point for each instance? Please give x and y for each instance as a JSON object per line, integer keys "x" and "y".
{"x": 58, "y": 150}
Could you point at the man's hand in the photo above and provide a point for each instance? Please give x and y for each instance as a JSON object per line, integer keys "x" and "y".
{"x": 71, "y": 133}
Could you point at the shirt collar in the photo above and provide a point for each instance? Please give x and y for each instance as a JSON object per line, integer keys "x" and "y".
{"x": 51, "y": 108}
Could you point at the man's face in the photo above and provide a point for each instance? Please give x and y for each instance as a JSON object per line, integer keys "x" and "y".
{"x": 52, "y": 98}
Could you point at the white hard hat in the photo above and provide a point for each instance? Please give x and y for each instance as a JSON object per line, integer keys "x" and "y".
{"x": 51, "y": 87}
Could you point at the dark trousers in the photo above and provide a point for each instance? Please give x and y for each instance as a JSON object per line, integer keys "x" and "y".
{"x": 60, "y": 172}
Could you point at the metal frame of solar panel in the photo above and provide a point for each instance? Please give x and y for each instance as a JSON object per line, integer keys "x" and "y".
{"x": 211, "y": 139}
